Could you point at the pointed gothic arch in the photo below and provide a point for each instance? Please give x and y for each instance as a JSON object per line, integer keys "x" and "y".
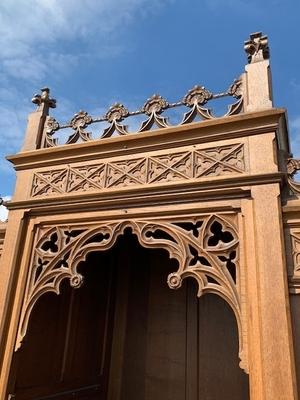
{"x": 205, "y": 247}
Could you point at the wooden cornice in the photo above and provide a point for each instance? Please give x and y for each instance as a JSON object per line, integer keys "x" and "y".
{"x": 236, "y": 126}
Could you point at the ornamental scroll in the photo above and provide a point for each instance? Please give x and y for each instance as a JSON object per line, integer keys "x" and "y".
{"x": 206, "y": 248}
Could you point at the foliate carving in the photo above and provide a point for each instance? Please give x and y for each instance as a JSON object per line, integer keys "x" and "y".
{"x": 44, "y": 98}
{"x": 296, "y": 251}
{"x": 50, "y": 128}
{"x": 293, "y": 166}
{"x": 205, "y": 247}
{"x": 153, "y": 168}
{"x": 78, "y": 123}
{"x": 117, "y": 112}
{"x": 236, "y": 89}
{"x": 197, "y": 96}
{"x": 155, "y": 104}
{"x": 154, "y": 107}
{"x": 257, "y": 47}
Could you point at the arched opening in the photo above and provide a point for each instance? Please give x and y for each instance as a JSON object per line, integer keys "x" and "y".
{"x": 124, "y": 335}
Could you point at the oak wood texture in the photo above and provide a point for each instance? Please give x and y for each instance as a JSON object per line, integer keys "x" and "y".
{"x": 232, "y": 169}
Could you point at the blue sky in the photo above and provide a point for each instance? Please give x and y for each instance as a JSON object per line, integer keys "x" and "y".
{"x": 93, "y": 53}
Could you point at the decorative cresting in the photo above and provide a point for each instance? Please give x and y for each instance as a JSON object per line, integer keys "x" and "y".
{"x": 186, "y": 165}
{"x": 154, "y": 107}
{"x": 257, "y": 47}
{"x": 293, "y": 166}
{"x": 206, "y": 248}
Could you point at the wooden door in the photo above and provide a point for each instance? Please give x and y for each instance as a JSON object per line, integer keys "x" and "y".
{"x": 126, "y": 336}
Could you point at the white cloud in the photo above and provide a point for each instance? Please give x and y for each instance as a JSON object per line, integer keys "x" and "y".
{"x": 42, "y": 37}
{"x": 31, "y": 29}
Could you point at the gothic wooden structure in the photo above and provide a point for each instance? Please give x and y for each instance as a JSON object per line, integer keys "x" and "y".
{"x": 100, "y": 229}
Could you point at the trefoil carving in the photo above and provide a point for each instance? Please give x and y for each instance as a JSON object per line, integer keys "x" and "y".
{"x": 205, "y": 247}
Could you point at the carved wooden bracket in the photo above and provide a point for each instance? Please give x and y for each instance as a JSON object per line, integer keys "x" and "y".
{"x": 206, "y": 248}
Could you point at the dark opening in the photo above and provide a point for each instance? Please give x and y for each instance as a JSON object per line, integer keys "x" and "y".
{"x": 124, "y": 335}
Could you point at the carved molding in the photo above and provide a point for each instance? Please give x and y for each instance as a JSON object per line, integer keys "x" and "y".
{"x": 295, "y": 278}
{"x": 205, "y": 247}
{"x": 191, "y": 164}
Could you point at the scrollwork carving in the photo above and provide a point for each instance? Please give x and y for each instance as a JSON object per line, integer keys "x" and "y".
{"x": 201, "y": 245}
{"x": 78, "y": 123}
{"x": 115, "y": 114}
{"x": 51, "y": 127}
{"x": 293, "y": 166}
{"x": 153, "y": 107}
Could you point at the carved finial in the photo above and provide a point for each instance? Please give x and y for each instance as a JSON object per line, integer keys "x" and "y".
{"x": 80, "y": 120}
{"x": 199, "y": 95}
{"x": 44, "y": 98}
{"x": 257, "y": 47}
{"x": 155, "y": 104}
{"x": 117, "y": 112}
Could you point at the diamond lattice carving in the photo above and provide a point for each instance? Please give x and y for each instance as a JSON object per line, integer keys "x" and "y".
{"x": 182, "y": 165}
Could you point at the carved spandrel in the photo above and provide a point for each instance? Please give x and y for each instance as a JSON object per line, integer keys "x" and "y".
{"x": 205, "y": 247}
{"x": 151, "y": 169}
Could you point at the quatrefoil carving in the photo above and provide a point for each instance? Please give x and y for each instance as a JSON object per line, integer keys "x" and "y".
{"x": 205, "y": 247}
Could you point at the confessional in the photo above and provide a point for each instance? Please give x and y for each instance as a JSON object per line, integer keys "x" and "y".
{"x": 157, "y": 264}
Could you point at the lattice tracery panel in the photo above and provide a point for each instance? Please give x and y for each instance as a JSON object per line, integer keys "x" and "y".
{"x": 205, "y": 247}
{"x": 182, "y": 165}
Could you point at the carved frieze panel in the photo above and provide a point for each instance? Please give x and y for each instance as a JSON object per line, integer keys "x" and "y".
{"x": 153, "y": 168}
{"x": 206, "y": 248}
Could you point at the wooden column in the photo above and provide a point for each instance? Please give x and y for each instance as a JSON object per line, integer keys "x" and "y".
{"x": 9, "y": 269}
{"x": 272, "y": 367}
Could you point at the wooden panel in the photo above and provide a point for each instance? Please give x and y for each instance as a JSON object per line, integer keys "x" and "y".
{"x": 295, "y": 311}
{"x": 176, "y": 346}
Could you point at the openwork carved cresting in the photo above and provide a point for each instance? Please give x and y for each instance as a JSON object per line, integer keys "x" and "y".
{"x": 153, "y": 168}
{"x": 153, "y": 108}
{"x": 206, "y": 248}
